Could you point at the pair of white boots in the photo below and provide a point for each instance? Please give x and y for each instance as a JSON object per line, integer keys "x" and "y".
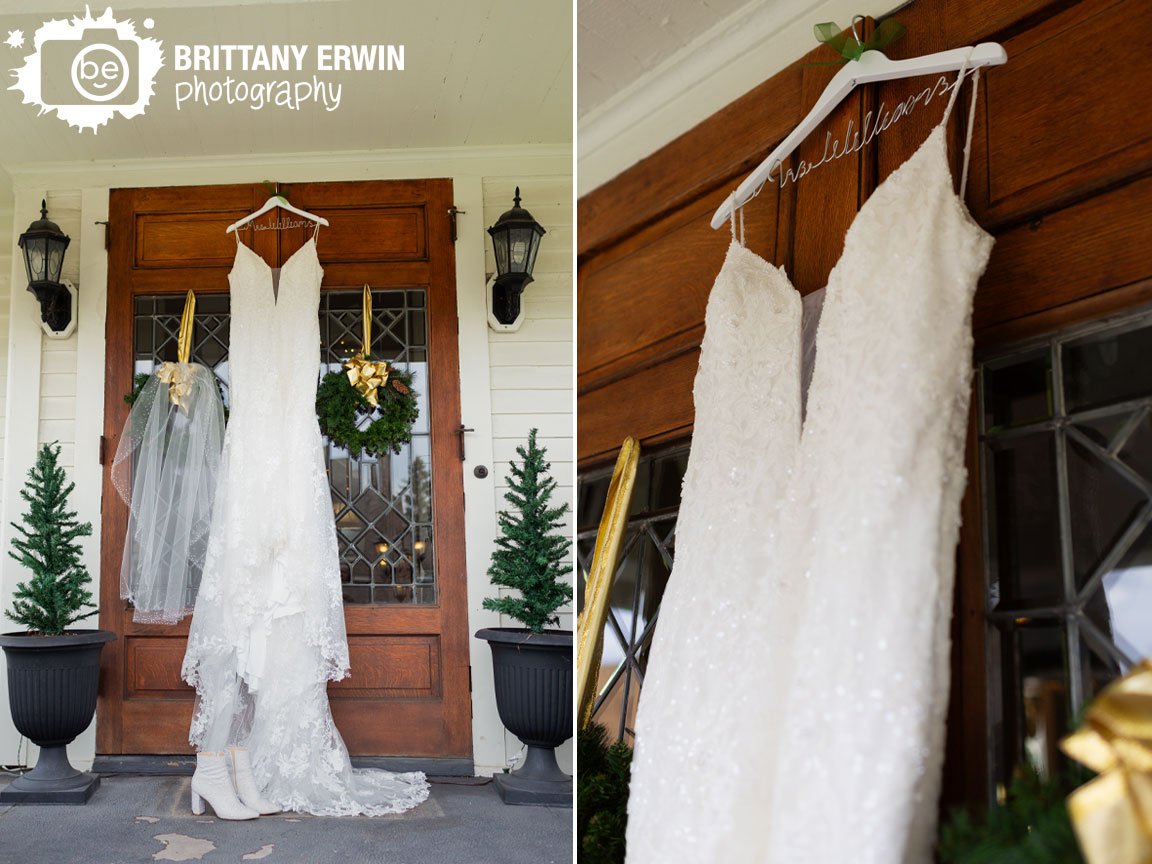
{"x": 224, "y": 779}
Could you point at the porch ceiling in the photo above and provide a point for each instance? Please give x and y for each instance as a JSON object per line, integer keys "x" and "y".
{"x": 482, "y": 72}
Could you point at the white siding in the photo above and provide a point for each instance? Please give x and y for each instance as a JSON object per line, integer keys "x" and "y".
{"x": 58, "y": 356}
{"x": 531, "y": 369}
{"x": 5, "y": 280}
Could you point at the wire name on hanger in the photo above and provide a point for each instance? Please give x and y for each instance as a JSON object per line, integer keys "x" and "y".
{"x": 853, "y": 143}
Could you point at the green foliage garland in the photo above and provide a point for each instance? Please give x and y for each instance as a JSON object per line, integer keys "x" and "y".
{"x": 56, "y": 595}
{"x": 530, "y": 553}
{"x": 1030, "y": 827}
{"x": 340, "y": 408}
{"x": 601, "y": 796}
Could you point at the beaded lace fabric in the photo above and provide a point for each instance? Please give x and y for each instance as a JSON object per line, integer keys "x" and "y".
{"x": 799, "y": 719}
{"x": 267, "y": 632}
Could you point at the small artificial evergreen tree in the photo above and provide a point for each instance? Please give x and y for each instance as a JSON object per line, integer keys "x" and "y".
{"x": 56, "y": 595}
{"x": 531, "y": 550}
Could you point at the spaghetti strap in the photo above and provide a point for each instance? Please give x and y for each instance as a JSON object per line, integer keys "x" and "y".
{"x": 956, "y": 89}
{"x": 971, "y": 118}
{"x": 738, "y": 213}
{"x": 968, "y": 133}
{"x": 316, "y": 230}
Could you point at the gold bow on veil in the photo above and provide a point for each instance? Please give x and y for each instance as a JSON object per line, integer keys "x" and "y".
{"x": 1112, "y": 814}
{"x": 366, "y": 375}
{"x": 177, "y": 375}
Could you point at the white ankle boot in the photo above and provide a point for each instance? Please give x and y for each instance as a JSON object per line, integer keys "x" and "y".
{"x": 246, "y": 783}
{"x": 212, "y": 782}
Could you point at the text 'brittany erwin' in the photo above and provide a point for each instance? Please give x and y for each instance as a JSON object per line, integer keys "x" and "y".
{"x": 288, "y": 58}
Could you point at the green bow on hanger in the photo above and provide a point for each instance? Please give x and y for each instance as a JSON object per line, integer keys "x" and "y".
{"x": 848, "y": 45}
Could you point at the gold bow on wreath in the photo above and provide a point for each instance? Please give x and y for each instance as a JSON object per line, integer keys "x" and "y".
{"x": 176, "y": 375}
{"x": 367, "y": 375}
{"x": 1112, "y": 814}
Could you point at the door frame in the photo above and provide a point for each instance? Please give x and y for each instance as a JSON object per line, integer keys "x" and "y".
{"x": 448, "y": 618}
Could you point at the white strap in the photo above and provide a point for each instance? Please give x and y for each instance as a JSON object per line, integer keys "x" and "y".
{"x": 968, "y": 139}
{"x": 316, "y": 231}
{"x": 956, "y": 86}
{"x": 738, "y": 213}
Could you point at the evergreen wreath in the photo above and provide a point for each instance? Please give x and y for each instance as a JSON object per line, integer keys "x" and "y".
{"x": 532, "y": 547}
{"x": 341, "y": 409}
{"x": 57, "y": 594}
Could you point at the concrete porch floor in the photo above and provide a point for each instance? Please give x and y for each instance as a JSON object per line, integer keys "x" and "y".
{"x": 133, "y": 818}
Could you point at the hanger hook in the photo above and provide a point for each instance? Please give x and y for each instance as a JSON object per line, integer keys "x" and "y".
{"x": 855, "y": 33}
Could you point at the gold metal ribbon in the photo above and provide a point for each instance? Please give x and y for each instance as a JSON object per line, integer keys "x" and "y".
{"x": 176, "y": 375}
{"x": 365, "y": 374}
{"x": 179, "y": 380}
{"x": 598, "y": 590}
{"x": 1112, "y": 814}
{"x": 184, "y": 342}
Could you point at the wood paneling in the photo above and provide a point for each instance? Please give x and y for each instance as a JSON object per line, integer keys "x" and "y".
{"x": 154, "y": 667}
{"x": 1053, "y": 130}
{"x": 410, "y": 687}
{"x": 1097, "y": 244}
{"x": 392, "y": 666}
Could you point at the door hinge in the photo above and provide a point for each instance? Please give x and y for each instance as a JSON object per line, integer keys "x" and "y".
{"x": 469, "y": 679}
{"x": 103, "y": 450}
{"x": 107, "y": 233}
{"x": 453, "y": 212}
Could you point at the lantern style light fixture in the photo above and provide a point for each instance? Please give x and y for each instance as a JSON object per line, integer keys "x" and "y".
{"x": 515, "y": 240}
{"x": 43, "y": 245}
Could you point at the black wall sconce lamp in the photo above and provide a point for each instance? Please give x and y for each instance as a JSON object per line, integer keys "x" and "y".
{"x": 515, "y": 240}
{"x": 43, "y": 245}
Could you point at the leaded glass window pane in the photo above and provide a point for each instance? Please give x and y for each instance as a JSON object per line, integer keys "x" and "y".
{"x": 1066, "y": 461}
{"x": 382, "y": 506}
{"x": 638, "y": 587}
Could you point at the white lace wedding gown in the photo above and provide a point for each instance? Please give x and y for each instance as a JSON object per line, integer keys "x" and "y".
{"x": 267, "y": 632}
{"x": 747, "y": 398}
{"x": 825, "y": 741}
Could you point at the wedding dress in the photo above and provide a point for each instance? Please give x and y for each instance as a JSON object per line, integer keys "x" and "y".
{"x": 825, "y": 743}
{"x": 267, "y": 632}
{"x": 747, "y": 398}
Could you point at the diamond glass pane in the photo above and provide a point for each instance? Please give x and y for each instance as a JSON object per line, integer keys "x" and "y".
{"x": 639, "y": 583}
{"x": 382, "y": 506}
{"x": 1067, "y": 491}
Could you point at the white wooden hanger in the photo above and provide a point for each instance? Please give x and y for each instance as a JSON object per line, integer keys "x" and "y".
{"x": 277, "y": 200}
{"x": 872, "y": 66}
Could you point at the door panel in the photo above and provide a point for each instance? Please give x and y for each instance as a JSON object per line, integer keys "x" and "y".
{"x": 399, "y": 518}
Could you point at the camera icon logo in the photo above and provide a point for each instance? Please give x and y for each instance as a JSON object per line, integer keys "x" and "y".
{"x": 88, "y": 70}
{"x": 98, "y": 68}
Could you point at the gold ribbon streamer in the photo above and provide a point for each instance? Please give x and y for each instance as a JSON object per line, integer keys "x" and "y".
{"x": 598, "y": 590}
{"x": 184, "y": 342}
{"x": 176, "y": 375}
{"x": 365, "y": 374}
{"x": 1112, "y": 814}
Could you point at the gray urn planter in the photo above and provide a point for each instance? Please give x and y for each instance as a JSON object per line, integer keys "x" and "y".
{"x": 52, "y": 687}
{"x": 533, "y": 676}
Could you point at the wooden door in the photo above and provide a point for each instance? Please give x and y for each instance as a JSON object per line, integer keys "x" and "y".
{"x": 400, "y": 521}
